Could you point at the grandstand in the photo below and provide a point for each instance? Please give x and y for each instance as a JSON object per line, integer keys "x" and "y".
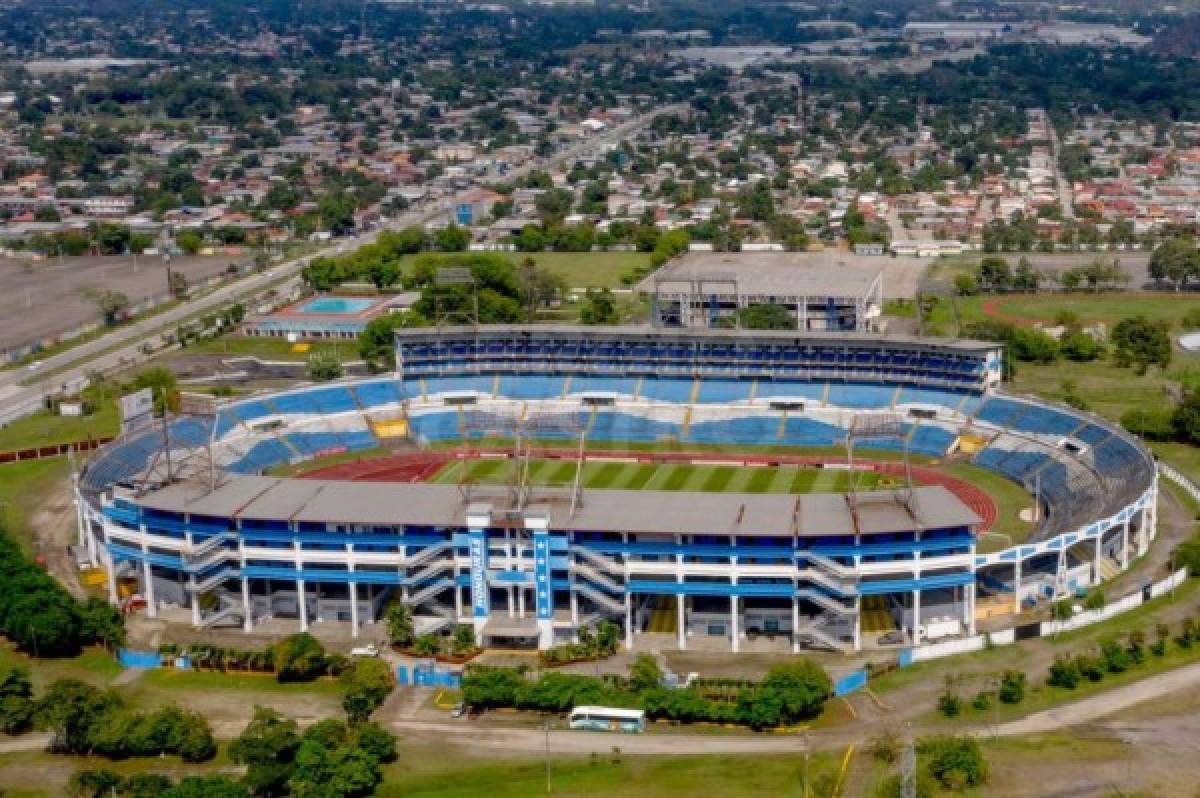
{"x": 536, "y": 568}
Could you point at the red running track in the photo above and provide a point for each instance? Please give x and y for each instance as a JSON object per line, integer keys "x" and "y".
{"x": 421, "y": 466}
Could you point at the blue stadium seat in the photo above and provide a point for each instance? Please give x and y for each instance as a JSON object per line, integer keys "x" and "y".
{"x": 860, "y": 395}
{"x": 784, "y": 389}
{"x": 717, "y": 391}
{"x": 624, "y": 386}
{"x": 377, "y": 394}
{"x": 532, "y": 386}
{"x": 435, "y": 386}
{"x": 677, "y": 390}
{"x": 807, "y": 432}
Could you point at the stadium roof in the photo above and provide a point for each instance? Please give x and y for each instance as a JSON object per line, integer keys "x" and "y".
{"x": 252, "y": 498}
{"x": 782, "y": 274}
{"x": 798, "y": 338}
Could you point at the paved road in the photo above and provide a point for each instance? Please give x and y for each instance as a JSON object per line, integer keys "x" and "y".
{"x": 22, "y": 388}
{"x": 26, "y": 742}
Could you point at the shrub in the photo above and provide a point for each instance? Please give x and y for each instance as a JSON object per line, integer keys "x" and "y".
{"x": 1094, "y": 600}
{"x": 982, "y": 701}
{"x": 1064, "y": 672}
{"x": 950, "y": 704}
{"x": 1116, "y": 659}
{"x": 368, "y": 682}
{"x": 299, "y": 658}
{"x": 955, "y": 762}
{"x": 1012, "y": 687}
{"x": 1091, "y": 668}
{"x": 16, "y": 701}
{"x": 885, "y": 747}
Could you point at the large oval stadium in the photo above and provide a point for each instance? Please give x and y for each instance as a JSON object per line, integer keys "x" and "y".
{"x": 722, "y": 487}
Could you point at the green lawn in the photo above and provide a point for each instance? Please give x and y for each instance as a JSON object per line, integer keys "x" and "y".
{"x": 579, "y": 269}
{"x": 666, "y": 476}
{"x": 271, "y": 348}
{"x": 24, "y": 487}
{"x": 1107, "y": 308}
{"x": 44, "y": 429}
{"x": 611, "y": 774}
{"x": 170, "y": 679}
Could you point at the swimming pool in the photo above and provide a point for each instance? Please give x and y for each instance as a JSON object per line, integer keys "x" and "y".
{"x": 336, "y": 306}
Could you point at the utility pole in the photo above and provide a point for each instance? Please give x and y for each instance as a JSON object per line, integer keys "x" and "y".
{"x": 546, "y": 729}
{"x": 908, "y": 766}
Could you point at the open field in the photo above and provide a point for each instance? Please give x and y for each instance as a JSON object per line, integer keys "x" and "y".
{"x": 664, "y": 476}
{"x": 45, "y": 298}
{"x": 45, "y": 429}
{"x": 25, "y": 488}
{"x": 1090, "y": 308}
{"x": 271, "y": 348}
{"x": 579, "y": 269}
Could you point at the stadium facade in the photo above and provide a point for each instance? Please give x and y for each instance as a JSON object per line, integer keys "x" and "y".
{"x": 214, "y": 534}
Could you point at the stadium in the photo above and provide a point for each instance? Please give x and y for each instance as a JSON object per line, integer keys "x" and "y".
{"x": 726, "y": 488}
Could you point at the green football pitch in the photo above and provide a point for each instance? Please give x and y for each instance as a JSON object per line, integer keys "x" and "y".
{"x": 663, "y": 476}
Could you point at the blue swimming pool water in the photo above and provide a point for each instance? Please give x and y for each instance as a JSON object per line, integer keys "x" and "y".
{"x": 336, "y": 305}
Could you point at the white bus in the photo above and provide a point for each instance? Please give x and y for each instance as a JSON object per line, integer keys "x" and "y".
{"x": 631, "y": 721}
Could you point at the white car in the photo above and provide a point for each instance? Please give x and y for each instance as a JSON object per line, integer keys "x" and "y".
{"x": 365, "y": 651}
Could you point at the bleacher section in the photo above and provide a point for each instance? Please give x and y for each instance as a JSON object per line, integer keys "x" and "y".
{"x": 860, "y": 395}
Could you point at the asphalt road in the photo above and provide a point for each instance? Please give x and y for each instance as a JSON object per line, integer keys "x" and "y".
{"x": 23, "y": 388}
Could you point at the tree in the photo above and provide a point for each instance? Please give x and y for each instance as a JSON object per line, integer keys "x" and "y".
{"x": 377, "y": 341}
{"x": 112, "y": 304}
{"x": 1142, "y": 343}
{"x": 1012, "y": 687}
{"x": 1032, "y": 345}
{"x": 644, "y": 673}
{"x": 452, "y": 238}
{"x": 530, "y": 239}
{"x": 163, "y": 385}
{"x": 553, "y": 204}
{"x": 324, "y": 366}
{"x": 367, "y": 683}
{"x": 189, "y": 241}
{"x": 16, "y": 701}
{"x": 70, "y": 709}
{"x": 599, "y": 307}
{"x": 177, "y": 283}
{"x": 1176, "y": 260}
{"x": 955, "y": 762}
{"x": 399, "y": 621}
{"x": 267, "y": 747}
{"x": 1077, "y": 345}
{"x": 995, "y": 274}
{"x": 766, "y": 317}
{"x": 299, "y": 658}
{"x": 383, "y": 273}
{"x": 803, "y": 687}
{"x": 336, "y": 210}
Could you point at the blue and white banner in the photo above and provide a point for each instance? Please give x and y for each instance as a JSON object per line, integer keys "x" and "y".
{"x": 477, "y": 547}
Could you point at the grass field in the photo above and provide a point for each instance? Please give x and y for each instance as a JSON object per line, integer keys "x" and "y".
{"x": 44, "y": 429}
{"x": 578, "y": 269}
{"x": 24, "y": 487}
{"x": 664, "y": 476}
{"x": 271, "y": 348}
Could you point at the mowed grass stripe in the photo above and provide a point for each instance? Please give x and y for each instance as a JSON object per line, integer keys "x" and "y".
{"x": 605, "y": 476}
{"x": 636, "y": 477}
{"x": 677, "y": 477}
{"x": 803, "y": 480}
{"x": 761, "y": 480}
{"x": 718, "y": 479}
{"x": 565, "y": 472}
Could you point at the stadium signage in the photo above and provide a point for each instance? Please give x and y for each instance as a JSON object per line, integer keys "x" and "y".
{"x": 477, "y": 547}
{"x": 137, "y": 411}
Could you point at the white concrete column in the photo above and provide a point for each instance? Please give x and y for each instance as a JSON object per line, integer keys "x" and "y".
{"x": 353, "y": 608}
{"x": 195, "y": 602}
{"x": 733, "y": 624}
{"x": 858, "y": 623}
{"x": 512, "y": 604}
{"x": 111, "y": 568}
{"x": 1099, "y": 557}
{"x": 520, "y": 591}
{"x": 682, "y": 621}
{"x": 1124, "y": 545}
{"x": 970, "y": 602}
{"x": 795, "y": 625}
{"x": 916, "y": 618}
{"x": 458, "y": 602}
{"x": 148, "y": 580}
{"x": 1017, "y": 585}
{"x": 247, "y": 615}
{"x": 574, "y": 607}
{"x": 628, "y": 620}
{"x": 300, "y": 603}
